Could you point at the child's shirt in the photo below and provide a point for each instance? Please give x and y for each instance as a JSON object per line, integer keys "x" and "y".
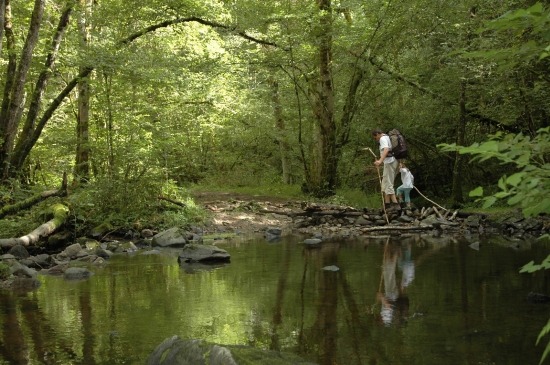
{"x": 407, "y": 178}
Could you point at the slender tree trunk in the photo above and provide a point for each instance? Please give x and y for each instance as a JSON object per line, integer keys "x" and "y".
{"x": 25, "y": 141}
{"x": 10, "y": 71}
{"x": 82, "y": 163}
{"x": 11, "y": 122}
{"x": 2, "y": 22}
{"x": 281, "y": 133}
{"x": 458, "y": 199}
{"x": 323, "y": 171}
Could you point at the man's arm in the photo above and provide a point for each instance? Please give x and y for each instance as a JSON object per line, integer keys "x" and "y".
{"x": 382, "y": 157}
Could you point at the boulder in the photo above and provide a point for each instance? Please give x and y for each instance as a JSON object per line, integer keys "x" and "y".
{"x": 17, "y": 269}
{"x": 19, "y": 252}
{"x": 203, "y": 253}
{"x": 77, "y": 273}
{"x": 173, "y": 237}
{"x": 72, "y": 251}
{"x": 176, "y": 351}
{"x": 273, "y": 232}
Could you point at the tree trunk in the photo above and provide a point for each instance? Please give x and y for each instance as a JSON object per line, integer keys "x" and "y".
{"x": 10, "y": 123}
{"x": 2, "y": 22}
{"x": 281, "y": 133}
{"x": 10, "y": 74}
{"x": 25, "y": 141}
{"x": 82, "y": 163}
{"x": 458, "y": 199}
{"x": 323, "y": 171}
{"x": 60, "y": 213}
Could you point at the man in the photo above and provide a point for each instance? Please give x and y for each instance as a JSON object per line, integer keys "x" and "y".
{"x": 391, "y": 165}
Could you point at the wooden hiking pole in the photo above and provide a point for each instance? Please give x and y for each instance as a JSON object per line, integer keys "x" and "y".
{"x": 429, "y": 199}
{"x": 381, "y": 192}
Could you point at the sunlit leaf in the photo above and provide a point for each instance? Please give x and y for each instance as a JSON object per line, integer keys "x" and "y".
{"x": 489, "y": 202}
{"x": 476, "y": 192}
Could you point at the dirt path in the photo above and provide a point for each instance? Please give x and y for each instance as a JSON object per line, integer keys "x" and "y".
{"x": 242, "y": 213}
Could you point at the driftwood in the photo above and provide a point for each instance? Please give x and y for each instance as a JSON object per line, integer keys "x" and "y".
{"x": 60, "y": 214}
{"x": 27, "y": 203}
{"x": 321, "y": 206}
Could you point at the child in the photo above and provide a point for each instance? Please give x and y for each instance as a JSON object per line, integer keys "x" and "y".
{"x": 404, "y": 190}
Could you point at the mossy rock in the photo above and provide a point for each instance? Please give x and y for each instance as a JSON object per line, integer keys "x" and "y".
{"x": 176, "y": 351}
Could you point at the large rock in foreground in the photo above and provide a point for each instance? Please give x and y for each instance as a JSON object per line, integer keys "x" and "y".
{"x": 203, "y": 253}
{"x": 176, "y": 351}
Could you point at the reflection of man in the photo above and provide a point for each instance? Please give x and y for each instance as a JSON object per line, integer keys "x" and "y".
{"x": 391, "y": 165}
{"x": 395, "y": 304}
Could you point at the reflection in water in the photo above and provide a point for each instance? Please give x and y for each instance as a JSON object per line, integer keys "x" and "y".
{"x": 392, "y": 301}
{"x": 395, "y": 302}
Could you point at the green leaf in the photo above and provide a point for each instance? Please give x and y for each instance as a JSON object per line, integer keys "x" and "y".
{"x": 515, "y": 179}
{"x": 528, "y": 267}
{"x": 477, "y": 192}
{"x": 501, "y": 183}
{"x": 489, "y": 201}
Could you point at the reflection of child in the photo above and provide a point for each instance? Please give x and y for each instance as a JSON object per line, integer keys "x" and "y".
{"x": 403, "y": 191}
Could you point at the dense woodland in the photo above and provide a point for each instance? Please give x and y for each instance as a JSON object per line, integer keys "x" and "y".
{"x": 139, "y": 99}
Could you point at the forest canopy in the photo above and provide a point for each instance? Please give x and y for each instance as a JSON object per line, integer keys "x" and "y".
{"x": 136, "y": 99}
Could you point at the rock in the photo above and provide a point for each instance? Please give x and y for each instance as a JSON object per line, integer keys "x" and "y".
{"x": 55, "y": 270}
{"x": 58, "y": 240}
{"x": 100, "y": 231}
{"x": 405, "y": 219}
{"x": 362, "y": 221}
{"x": 73, "y": 250}
{"x": 129, "y": 247}
{"x": 143, "y": 243}
{"x": 201, "y": 253}
{"x": 475, "y": 246}
{"x": 147, "y": 233}
{"x": 18, "y": 269}
{"x": 272, "y": 233}
{"x": 176, "y": 351}
{"x": 472, "y": 221}
{"x": 77, "y": 273}
{"x": 173, "y": 237}
{"x": 105, "y": 254}
{"x": 312, "y": 241}
{"x": 19, "y": 252}
{"x": 88, "y": 243}
{"x": 537, "y": 298}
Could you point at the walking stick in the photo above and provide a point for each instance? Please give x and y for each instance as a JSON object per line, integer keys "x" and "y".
{"x": 381, "y": 192}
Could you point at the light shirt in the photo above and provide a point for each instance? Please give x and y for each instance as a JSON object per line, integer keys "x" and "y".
{"x": 386, "y": 143}
{"x": 407, "y": 178}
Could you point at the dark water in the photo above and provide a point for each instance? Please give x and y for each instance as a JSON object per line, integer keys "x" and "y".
{"x": 446, "y": 304}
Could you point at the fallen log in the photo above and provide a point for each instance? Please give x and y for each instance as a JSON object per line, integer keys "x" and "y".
{"x": 172, "y": 201}
{"x": 60, "y": 214}
{"x": 27, "y": 203}
{"x": 391, "y": 228}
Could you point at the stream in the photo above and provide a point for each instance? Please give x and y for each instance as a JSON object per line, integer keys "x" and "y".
{"x": 400, "y": 300}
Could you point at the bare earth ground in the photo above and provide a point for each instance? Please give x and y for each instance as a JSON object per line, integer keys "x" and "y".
{"x": 247, "y": 214}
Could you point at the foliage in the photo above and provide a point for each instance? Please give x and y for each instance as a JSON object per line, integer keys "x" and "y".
{"x": 532, "y": 22}
{"x": 529, "y": 187}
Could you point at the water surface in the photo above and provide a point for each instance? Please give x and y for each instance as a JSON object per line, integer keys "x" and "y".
{"x": 400, "y": 301}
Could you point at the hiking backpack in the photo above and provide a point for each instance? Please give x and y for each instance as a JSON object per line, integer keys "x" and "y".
{"x": 398, "y": 144}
